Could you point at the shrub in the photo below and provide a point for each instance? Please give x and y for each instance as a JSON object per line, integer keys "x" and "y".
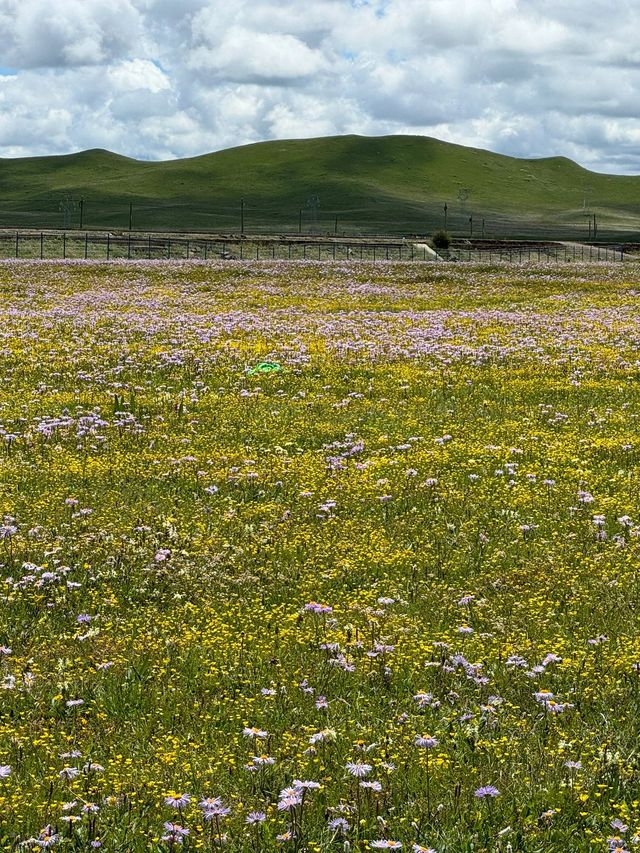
{"x": 441, "y": 241}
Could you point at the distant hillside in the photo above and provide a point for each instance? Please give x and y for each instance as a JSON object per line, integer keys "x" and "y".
{"x": 390, "y": 184}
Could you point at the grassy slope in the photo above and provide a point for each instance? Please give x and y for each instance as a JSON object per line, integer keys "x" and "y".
{"x": 400, "y": 180}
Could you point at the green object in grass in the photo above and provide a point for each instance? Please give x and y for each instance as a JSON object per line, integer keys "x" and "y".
{"x": 265, "y": 367}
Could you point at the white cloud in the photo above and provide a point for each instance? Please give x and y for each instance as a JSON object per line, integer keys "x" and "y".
{"x": 245, "y": 56}
{"x": 157, "y": 78}
{"x": 136, "y": 74}
{"x": 71, "y": 32}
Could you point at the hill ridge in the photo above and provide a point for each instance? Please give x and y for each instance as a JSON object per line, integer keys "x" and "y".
{"x": 392, "y": 183}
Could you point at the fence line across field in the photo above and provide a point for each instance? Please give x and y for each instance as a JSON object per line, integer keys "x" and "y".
{"x": 47, "y": 246}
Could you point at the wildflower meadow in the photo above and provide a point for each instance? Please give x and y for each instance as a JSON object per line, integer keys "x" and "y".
{"x": 319, "y": 557}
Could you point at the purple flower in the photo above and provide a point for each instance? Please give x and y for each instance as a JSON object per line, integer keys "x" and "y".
{"x": 263, "y": 760}
{"x": 315, "y": 607}
{"x": 47, "y": 838}
{"x": 339, "y": 824}
{"x": 175, "y": 829}
{"x": 5, "y": 770}
{"x": 175, "y": 834}
{"x": 305, "y": 785}
{"x": 216, "y": 812}
{"x": 616, "y": 823}
{"x": 69, "y": 773}
{"x": 486, "y": 791}
{"x": 426, "y": 741}
{"x": 254, "y": 733}
{"x": 426, "y": 700}
{"x": 358, "y": 769}
{"x": 210, "y": 802}
{"x": 177, "y": 801}
{"x": 254, "y": 818}
{"x": 285, "y": 836}
{"x": 288, "y": 803}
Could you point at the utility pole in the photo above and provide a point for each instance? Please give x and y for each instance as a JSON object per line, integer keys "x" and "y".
{"x": 242, "y": 216}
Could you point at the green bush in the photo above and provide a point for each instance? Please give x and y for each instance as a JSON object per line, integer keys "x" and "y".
{"x": 441, "y": 241}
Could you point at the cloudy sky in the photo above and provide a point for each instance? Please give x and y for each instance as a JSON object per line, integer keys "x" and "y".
{"x": 158, "y": 79}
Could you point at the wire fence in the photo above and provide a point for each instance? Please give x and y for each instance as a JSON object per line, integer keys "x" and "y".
{"x": 388, "y": 218}
{"x": 88, "y": 246}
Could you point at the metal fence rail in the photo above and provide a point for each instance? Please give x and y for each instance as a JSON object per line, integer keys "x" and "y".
{"x": 91, "y": 246}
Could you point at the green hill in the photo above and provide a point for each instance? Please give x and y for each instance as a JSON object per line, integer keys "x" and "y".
{"x": 383, "y": 185}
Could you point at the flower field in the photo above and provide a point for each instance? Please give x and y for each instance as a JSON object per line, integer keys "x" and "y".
{"x": 317, "y": 557}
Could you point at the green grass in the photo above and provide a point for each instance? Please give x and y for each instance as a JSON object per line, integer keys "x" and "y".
{"x": 392, "y": 184}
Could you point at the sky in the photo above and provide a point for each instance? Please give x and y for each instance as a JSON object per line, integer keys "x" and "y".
{"x": 160, "y": 79}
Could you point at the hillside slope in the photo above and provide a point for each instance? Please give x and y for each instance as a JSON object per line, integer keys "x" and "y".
{"x": 392, "y": 184}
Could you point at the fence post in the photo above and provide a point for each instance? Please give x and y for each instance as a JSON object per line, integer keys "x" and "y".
{"x": 319, "y": 247}
{"x": 41, "y": 245}
{"x": 206, "y": 249}
{"x": 17, "y": 245}
{"x": 64, "y": 246}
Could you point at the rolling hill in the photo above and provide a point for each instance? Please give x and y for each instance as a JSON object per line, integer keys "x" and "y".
{"x": 382, "y": 185}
